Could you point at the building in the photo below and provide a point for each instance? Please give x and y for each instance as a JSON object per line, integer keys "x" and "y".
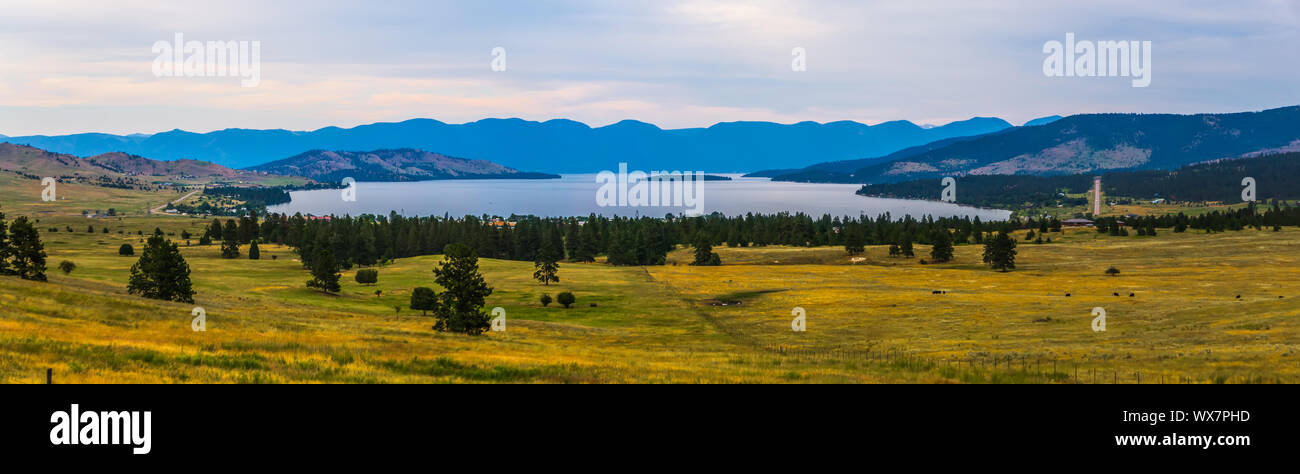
{"x": 1077, "y": 223}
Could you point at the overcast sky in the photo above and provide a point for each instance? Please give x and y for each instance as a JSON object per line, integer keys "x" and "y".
{"x": 74, "y": 66}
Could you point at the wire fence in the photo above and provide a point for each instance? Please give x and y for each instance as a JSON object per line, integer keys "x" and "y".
{"x": 1014, "y": 368}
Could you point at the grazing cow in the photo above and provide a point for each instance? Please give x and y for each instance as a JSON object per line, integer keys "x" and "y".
{"x": 1067, "y": 295}
{"x": 1130, "y": 295}
{"x": 1116, "y": 294}
{"x": 935, "y": 292}
{"x": 1238, "y": 296}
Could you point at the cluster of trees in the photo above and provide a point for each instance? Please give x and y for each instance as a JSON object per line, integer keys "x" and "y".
{"x": 1276, "y": 177}
{"x": 459, "y": 308}
{"x": 367, "y": 240}
{"x": 1276, "y": 214}
{"x": 21, "y": 251}
{"x": 565, "y": 298}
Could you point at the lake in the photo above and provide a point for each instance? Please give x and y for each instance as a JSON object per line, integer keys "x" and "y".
{"x": 575, "y": 195}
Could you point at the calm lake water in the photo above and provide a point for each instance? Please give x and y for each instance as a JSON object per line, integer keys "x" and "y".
{"x": 575, "y": 195}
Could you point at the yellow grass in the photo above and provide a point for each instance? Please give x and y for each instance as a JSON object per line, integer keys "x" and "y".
{"x": 870, "y": 320}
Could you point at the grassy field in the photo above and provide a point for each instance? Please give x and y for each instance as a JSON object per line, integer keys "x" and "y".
{"x": 870, "y": 318}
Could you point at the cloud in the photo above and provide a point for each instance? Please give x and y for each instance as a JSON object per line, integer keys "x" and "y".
{"x": 675, "y": 63}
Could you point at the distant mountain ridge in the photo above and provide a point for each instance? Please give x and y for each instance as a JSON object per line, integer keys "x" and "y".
{"x": 1079, "y": 144}
{"x": 554, "y": 146}
{"x": 390, "y": 165}
{"x": 34, "y": 161}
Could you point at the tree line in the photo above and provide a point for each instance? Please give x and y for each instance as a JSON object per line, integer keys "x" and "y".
{"x": 369, "y": 239}
{"x": 1277, "y": 177}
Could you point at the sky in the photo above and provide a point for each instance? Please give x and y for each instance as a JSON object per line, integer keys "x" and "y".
{"x": 88, "y": 66}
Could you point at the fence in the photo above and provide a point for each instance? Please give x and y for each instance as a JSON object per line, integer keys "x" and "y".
{"x": 1017, "y": 368}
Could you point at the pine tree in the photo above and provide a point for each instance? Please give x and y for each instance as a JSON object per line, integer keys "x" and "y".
{"x": 905, "y": 246}
{"x": 230, "y": 248}
{"x": 941, "y": 250}
{"x": 1000, "y": 252}
{"x": 424, "y": 300}
{"x": 460, "y": 305}
{"x": 6, "y": 250}
{"x": 253, "y": 252}
{"x": 214, "y": 231}
{"x": 572, "y": 236}
{"x": 853, "y": 239}
{"x": 161, "y": 273}
{"x": 546, "y": 265}
{"x": 704, "y": 255}
{"x": 324, "y": 272}
{"x": 588, "y": 242}
{"x": 367, "y": 276}
{"x": 230, "y": 232}
{"x": 27, "y": 252}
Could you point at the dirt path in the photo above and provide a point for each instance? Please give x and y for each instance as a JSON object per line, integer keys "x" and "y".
{"x": 182, "y": 198}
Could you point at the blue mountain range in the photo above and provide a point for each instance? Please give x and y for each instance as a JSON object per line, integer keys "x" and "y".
{"x": 558, "y": 146}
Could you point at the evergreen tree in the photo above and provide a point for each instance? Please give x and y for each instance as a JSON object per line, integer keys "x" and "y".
{"x": 367, "y": 276}
{"x": 1000, "y": 252}
{"x": 67, "y": 267}
{"x": 853, "y": 240}
{"x": 6, "y": 250}
{"x": 460, "y": 305}
{"x": 571, "y": 239}
{"x": 230, "y": 232}
{"x": 26, "y": 251}
{"x": 588, "y": 242}
{"x": 126, "y": 250}
{"x": 324, "y": 272}
{"x": 704, "y": 254}
{"x": 230, "y": 248}
{"x": 545, "y": 299}
{"x": 941, "y": 249}
{"x": 214, "y": 231}
{"x": 253, "y": 252}
{"x": 905, "y": 246}
{"x": 546, "y": 267}
{"x": 424, "y": 300}
{"x": 161, "y": 273}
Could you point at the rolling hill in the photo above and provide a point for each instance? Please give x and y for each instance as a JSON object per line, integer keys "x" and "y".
{"x": 34, "y": 162}
{"x": 1081, "y": 144}
{"x": 554, "y": 145}
{"x": 390, "y": 165}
